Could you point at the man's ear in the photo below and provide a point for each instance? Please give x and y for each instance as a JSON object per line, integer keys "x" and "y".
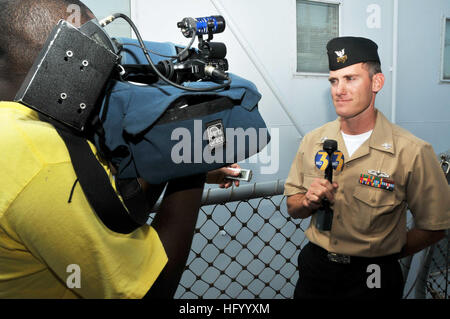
{"x": 377, "y": 82}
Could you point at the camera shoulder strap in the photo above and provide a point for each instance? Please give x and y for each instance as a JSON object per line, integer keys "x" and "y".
{"x": 99, "y": 191}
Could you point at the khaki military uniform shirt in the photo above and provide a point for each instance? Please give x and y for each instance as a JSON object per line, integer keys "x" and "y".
{"x": 370, "y": 221}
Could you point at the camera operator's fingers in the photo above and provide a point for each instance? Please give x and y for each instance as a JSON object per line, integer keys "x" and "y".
{"x": 218, "y": 176}
{"x": 234, "y": 171}
{"x": 228, "y": 183}
{"x": 236, "y": 166}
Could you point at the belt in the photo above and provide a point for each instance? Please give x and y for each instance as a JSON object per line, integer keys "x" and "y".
{"x": 347, "y": 259}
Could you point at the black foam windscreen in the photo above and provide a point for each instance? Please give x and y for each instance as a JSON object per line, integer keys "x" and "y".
{"x": 330, "y": 145}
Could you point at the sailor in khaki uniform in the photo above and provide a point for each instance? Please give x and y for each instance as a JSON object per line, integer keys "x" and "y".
{"x": 383, "y": 172}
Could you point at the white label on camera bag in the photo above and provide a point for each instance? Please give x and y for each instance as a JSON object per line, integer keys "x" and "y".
{"x": 215, "y": 133}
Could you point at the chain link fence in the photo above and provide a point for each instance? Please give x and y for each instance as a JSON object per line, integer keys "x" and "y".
{"x": 437, "y": 282}
{"x": 244, "y": 250}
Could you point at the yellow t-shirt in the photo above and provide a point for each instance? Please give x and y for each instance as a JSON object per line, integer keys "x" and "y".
{"x": 50, "y": 248}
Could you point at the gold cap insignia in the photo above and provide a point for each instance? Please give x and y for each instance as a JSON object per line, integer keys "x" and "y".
{"x": 342, "y": 57}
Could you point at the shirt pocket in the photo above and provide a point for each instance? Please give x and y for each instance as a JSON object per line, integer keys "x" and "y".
{"x": 372, "y": 208}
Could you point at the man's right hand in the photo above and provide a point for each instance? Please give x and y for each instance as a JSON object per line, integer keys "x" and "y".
{"x": 304, "y": 205}
{"x": 320, "y": 188}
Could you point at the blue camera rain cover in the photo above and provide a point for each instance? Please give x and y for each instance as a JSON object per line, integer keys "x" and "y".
{"x": 141, "y": 146}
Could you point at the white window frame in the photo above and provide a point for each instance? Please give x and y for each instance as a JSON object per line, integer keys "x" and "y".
{"x": 445, "y": 19}
{"x": 297, "y": 74}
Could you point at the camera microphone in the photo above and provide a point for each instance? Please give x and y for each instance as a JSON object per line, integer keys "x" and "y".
{"x": 201, "y": 26}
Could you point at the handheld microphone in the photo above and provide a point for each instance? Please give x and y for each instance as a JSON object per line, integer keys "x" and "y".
{"x": 329, "y": 146}
{"x": 326, "y": 160}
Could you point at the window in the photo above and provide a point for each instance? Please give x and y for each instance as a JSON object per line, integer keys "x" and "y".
{"x": 104, "y": 8}
{"x": 317, "y": 23}
{"x": 446, "y": 54}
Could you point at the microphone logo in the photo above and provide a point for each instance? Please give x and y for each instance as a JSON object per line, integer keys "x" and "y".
{"x": 322, "y": 160}
{"x": 337, "y": 160}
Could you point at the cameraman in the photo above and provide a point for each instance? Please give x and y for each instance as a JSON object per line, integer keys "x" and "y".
{"x": 52, "y": 247}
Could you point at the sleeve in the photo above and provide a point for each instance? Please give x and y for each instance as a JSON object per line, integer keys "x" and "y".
{"x": 62, "y": 234}
{"x": 427, "y": 192}
{"x": 294, "y": 181}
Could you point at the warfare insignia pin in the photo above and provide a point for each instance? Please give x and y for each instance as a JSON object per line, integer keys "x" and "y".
{"x": 342, "y": 57}
{"x": 378, "y": 173}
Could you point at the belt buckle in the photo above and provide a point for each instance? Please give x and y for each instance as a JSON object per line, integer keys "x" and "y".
{"x": 338, "y": 258}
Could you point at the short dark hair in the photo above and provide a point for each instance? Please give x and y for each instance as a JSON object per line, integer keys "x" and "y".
{"x": 373, "y": 67}
{"x": 25, "y": 26}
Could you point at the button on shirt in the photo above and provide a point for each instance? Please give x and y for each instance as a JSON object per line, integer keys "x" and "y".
{"x": 370, "y": 221}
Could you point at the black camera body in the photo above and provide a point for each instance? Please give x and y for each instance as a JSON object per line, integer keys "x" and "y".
{"x": 207, "y": 63}
{"x": 193, "y": 65}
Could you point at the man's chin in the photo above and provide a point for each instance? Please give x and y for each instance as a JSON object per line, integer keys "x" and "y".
{"x": 347, "y": 114}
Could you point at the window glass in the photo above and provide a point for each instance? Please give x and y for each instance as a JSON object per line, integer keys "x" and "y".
{"x": 317, "y": 23}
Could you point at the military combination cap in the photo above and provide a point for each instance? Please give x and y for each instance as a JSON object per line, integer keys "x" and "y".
{"x": 346, "y": 51}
